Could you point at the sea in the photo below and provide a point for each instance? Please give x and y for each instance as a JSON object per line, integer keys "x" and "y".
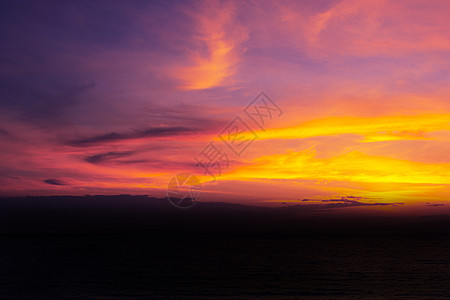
{"x": 195, "y": 266}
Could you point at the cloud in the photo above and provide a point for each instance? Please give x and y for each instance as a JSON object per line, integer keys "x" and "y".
{"x": 352, "y": 77}
{"x": 373, "y": 28}
{"x": 373, "y": 129}
{"x": 434, "y": 204}
{"x": 352, "y": 166}
{"x": 347, "y": 202}
{"x": 183, "y": 114}
{"x": 343, "y": 202}
{"x": 338, "y": 203}
{"x": 219, "y": 37}
{"x": 146, "y": 133}
{"x": 54, "y": 182}
{"x": 331, "y": 204}
{"x": 99, "y": 158}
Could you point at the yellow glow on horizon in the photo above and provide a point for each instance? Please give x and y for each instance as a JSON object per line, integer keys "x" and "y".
{"x": 389, "y": 175}
{"x": 372, "y": 128}
{"x": 353, "y": 166}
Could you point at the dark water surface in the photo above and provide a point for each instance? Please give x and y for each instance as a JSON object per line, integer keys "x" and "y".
{"x": 217, "y": 267}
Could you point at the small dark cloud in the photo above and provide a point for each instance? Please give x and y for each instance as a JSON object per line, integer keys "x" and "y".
{"x": 54, "y": 182}
{"x": 187, "y": 114}
{"x": 337, "y": 200}
{"x": 348, "y": 201}
{"x": 123, "y": 158}
{"x": 146, "y": 133}
{"x": 434, "y": 204}
{"x": 134, "y": 161}
{"x": 352, "y": 203}
{"x": 99, "y": 158}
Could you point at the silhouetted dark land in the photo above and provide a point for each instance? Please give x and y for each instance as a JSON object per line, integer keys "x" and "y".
{"x": 138, "y": 247}
{"x": 148, "y": 215}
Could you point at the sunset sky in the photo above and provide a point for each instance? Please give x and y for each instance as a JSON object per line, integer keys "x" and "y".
{"x": 104, "y": 97}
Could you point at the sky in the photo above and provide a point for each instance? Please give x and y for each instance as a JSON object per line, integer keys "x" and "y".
{"x": 118, "y": 97}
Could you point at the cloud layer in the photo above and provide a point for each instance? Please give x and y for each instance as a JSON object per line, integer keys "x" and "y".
{"x": 119, "y": 98}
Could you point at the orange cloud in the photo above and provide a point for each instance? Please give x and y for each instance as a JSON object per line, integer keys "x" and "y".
{"x": 369, "y": 28}
{"x": 221, "y": 36}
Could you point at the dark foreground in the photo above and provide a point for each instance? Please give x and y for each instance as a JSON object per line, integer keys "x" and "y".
{"x": 181, "y": 267}
{"x": 169, "y": 255}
